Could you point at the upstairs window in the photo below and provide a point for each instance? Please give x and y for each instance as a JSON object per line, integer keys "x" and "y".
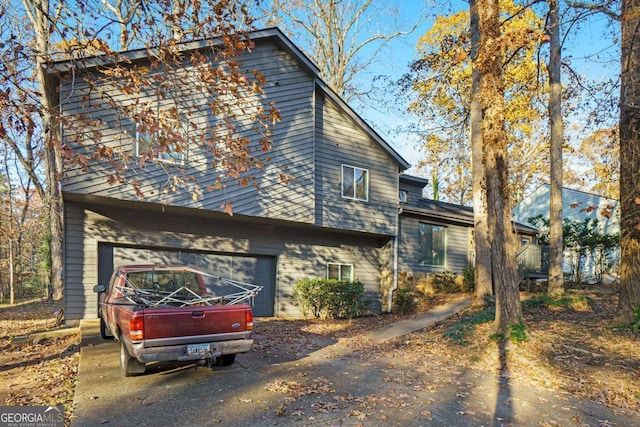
{"x": 432, "y": 244}
{"x": 175, "y": 137}
{"x": 355, "y": 183}
{"x": 403, "y": 196}
{"x": 340, "y": 271}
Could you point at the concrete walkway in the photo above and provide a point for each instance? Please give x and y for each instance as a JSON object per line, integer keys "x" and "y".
{"x": 404, "y": 327}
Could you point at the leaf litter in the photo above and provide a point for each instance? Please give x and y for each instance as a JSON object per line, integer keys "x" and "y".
{"x": 570, "y": 351}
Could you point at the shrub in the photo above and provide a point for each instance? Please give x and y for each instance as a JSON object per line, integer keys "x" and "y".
{"x": 469, "y": 275}
{"x": 447, "y": 282}
{"x": 405, "y": 301}
{"x": 329, "y": 298}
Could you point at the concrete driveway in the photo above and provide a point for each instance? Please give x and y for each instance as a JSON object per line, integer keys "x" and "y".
{"x": 336, "y": 385}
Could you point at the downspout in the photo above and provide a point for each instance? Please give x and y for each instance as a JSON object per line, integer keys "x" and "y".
{"x": 395, "y": 263}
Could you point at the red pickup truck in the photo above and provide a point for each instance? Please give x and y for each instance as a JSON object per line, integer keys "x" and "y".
{"x": 166, "y": 313}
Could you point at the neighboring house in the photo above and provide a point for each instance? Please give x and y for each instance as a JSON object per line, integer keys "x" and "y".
{"x": 319, "y": 225}
{"x": 437, "y": 236}
{"x": 577, "y": 206}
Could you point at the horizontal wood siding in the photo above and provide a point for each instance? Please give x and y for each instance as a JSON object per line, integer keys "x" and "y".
{"x": 340, "y": 141}
{"x": 457, "y": 238}
{"x": 299, "y": 252}
{"x": 414, "y": 193}
{"x": 290, "y": 87}
{"x": 575, "y": 206}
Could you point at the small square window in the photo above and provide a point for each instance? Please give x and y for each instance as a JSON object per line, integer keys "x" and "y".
{"x": 355, "y": 183}
{"x": 175, "y": 152}
{"x": 340, "y": 271}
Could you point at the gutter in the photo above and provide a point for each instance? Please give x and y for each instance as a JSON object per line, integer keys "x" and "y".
{"x": 395, "y": 263}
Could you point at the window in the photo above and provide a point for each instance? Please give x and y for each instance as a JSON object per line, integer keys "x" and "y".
{"x": 355, "y": 183}
{"x": 432, "y": 244}
{"x": 340, "y": 271}
{"x": 164, "y": 280}
{"x": 175, "y": 152}
{"x": 403, "y": 196}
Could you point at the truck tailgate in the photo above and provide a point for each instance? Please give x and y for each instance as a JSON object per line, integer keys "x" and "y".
{"x": 163, "y": 323}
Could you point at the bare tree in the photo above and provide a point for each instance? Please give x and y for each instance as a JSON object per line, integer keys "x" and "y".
{"x": 342, "y": 37}
{"x": 30, "y": 118}
{"x": 629, "y": 128}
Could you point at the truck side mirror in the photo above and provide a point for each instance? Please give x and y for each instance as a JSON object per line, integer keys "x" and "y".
{"x": 99, "y": 288}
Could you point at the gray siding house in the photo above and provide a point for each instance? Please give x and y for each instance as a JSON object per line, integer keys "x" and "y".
{"x": 278, "y": 233}
{"x": 435, "y": 236}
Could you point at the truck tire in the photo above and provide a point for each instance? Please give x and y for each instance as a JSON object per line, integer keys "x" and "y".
{"x": 104, "y": 331}
{"x": 130, "y": 365}
{"x": 225, "y": 360}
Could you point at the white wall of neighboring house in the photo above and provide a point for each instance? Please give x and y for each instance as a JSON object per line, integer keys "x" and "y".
{"x": 577, "y": 206}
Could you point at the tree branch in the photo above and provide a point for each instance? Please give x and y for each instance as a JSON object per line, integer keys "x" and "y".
{"x": 594, "y": 7}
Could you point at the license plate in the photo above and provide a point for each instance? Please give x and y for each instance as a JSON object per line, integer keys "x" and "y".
{"x": 198, "y": 349}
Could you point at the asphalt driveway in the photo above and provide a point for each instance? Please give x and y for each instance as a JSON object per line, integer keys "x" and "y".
{"x": 349, "y": 384}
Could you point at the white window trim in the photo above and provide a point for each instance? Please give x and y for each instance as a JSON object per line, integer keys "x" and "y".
{"x": 366, "y": 199}
{"x": 403, "y": 196}
{"x": 446, "y": 246}
{"x": 172, "y": 158}
{"x": 340, "y": 265}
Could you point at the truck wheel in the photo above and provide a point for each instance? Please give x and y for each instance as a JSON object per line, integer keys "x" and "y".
{"x": 130, "y": 365}
{"x": 104, "y": 332}
{"x": 225, "y": 360}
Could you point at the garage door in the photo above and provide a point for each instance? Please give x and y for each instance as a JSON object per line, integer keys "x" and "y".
{"x": 259, "y": 270}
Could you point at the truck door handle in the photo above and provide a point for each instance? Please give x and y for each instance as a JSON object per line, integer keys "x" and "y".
{"x": 197, "y": 314}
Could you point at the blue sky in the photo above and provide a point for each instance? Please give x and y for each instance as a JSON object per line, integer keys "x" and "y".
{"x": 590, "y": 39}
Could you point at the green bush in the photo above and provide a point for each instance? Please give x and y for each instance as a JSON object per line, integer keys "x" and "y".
{"x": 445, "y": 282}
{"x": 329, "y": 298}
{"x": 405, "y": 300}
{"x": 469, "y": 274}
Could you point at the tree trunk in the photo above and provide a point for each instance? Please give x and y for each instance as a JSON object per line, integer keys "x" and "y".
{"x": 556, "y": 282}
{"x": 483, "y": 286}
{"x": 435, "y": 184}
{"x": 11, "y": 249}
{"x": 629, "y": 162}
{"x": 491, "y": 95}
{"x": 53, "y": 161}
